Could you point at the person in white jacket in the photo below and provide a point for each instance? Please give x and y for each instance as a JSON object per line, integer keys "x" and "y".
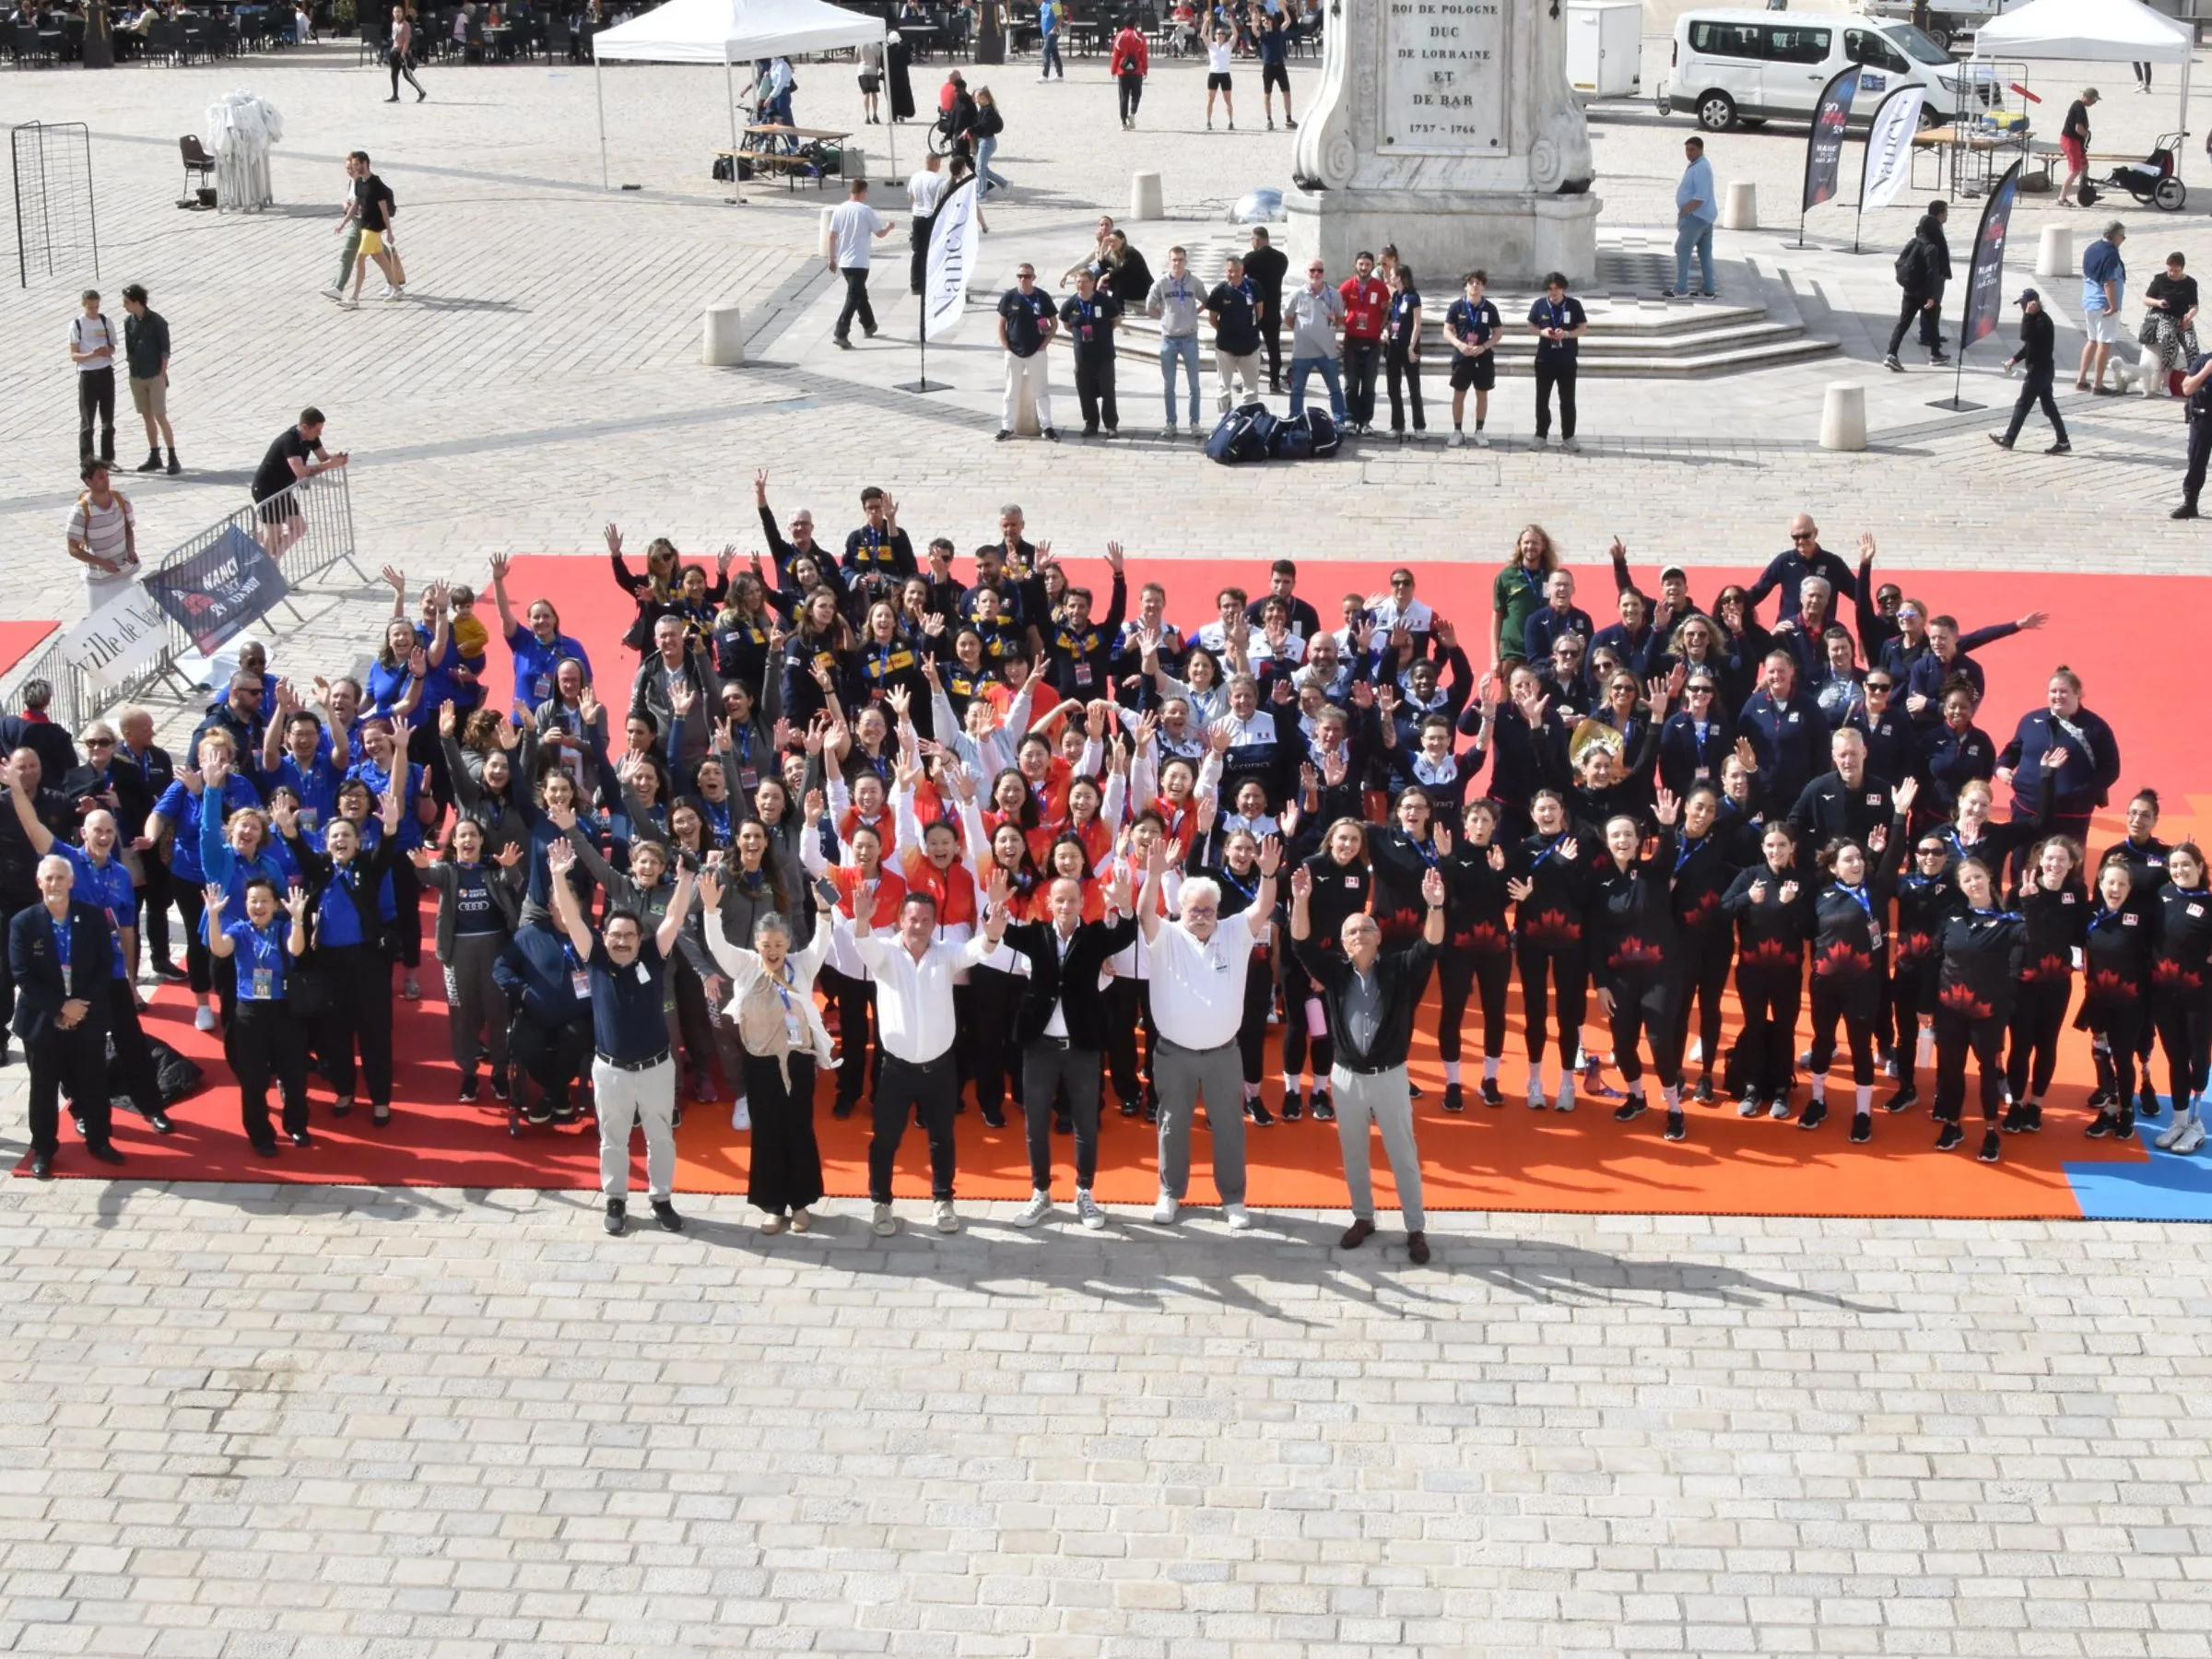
{"x": 771, "y": 1004}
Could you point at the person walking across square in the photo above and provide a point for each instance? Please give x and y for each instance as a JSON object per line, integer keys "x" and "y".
{"x": 853, "y": 227}
{"x": 1131, "y": 62}
{"x": 2196, "y": 386}
{"x": 2038, "y": 337}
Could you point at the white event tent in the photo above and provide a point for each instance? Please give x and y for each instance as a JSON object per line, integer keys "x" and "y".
{"x": 2102, "y": 31}
{"x": 726, "y": 33}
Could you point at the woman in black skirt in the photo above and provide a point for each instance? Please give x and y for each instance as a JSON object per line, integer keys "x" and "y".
{"x": 771, "y": 1001}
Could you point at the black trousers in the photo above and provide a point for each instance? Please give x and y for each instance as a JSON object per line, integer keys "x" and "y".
{"x": 199, "y": 961}
{"x": 2034, "y": 389}
{"x": 1544, "y": 971}
{"x": 1405, "y": 376}
{"x": 1549, "y": 376}
{"x": 2200, "y": 450}
{"x": 1271, "y": 340}
{"x": 1956, "y": 1037}
{"x": 95, "y": 398}
{"x": 21, "y": 899}
{"x": 78, "y": 1058}
{"x": 1362, "y": 362}
{"x": 1049, "y": 1066}
{"x": 1458, "y": 973}
{"x": 358, "y": 1019}
{"x": 786, "y": 1172}
{"x": 1706, "y": 958}
{"x": 1128, "y": 1030}
{"x": 1299, "y": 1037}
{"x": 2038, "y": 1014}
{"x": 134, "y": 1066}
{"x": 2185, "y": 1022}
{"x": 265, "y": 1039}
{"x": 904, "y": 1089}
{"x": 1251, "y": 1030}
{"x": 859, "y": 1061}
{"x": 401, "y": 65}
{"x": 996, "y": 998}
{"x": 856, "y": 301}
{"x": 1094, "y": 389}
{"x": 1916, "y": 306}
{"x": 1770, "y": 998}
{"x": 1852, "y": 1004}
{"x": 1644, "y": 1007}
{"x": 556, "y": 1057}
{"x": 1132, "y": 93}
{"x": 406, "y": 900}
{"x": 1911, "y": 994}
{"x": 153, "y": 913}
{"x": 2122, "y": 1025}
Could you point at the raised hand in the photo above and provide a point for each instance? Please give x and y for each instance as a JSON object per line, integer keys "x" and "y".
{"x": 449, "y": 720}
{"x": 1569, "y": 850}
{"x": 215, "y": 895}
{"x": 1666, "y": 806}
{"x": 709, "y": 891}
{"x": 1789, "y": 893}
{"x": 508, "y": 855}
{"x": 1301, "y": 884}
{"x": 295, "y": 901}
{"x": 1746, "y": 757}
{"x": 614, "y": 541}
{"x": 1498, "y": 858}
{"x": 1271, "y": 855}
{"x": 1905, "y": 793}
{"x": 1442, "y": 836}
{"x": 560, "y": 858}
{"x": 1432, "y": 888}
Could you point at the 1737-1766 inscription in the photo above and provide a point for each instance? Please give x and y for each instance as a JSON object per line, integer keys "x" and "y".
{"x": 1444, "y": 81}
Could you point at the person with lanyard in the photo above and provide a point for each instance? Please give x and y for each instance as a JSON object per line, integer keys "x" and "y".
{"x": 2144, "y": 856}
{"x": 1550, "y": 886}
{"x": 1559, "y": 322}
{"x": 175, "y": 823}
{"x": 633, "y": 1076}
{"x": 2062, "y": 762}
{"x": 1979, "y": 945}
{"x": 1520, "y": 590}
{"x": 1060, "y": 1027}
{"x": 1772, "y": 917}
{"x": 1402, "y": 353}
{"x": 385, "y": 744}
{"x": 1234, "y": 307}
{"x": 1199, "y": 965}
{"x": 2115, "y": 982}
{"x": 293, "y": 756}
{"x": 771, "y": 1000}
{"x": 346, "y": 884}
{"x": 476, "y": 915}
{"x": 1027, "y": 323}
{"x": 2053, "y": 902}
{"x": 549, "y": 1006}
{"x": 60, "y": 958}
{"x": 879, "y": 548}
{"x": 139, "y": 752}
{"x": 1695, "y": 743}
{"x": 1234, "y": 868}
{"x": 2181, "y": 992}
{"x": 913, "y": 972}
{"x": 264, "y": 1035}
{"x": 231, "y": 852}
{"x": 1365, "y": 304}
{"x": 538, "y": 649}
{"x": 1633, "y": 950}
{"x": 1851, "y": 958}
{"x": 1703, "y": 872}
{"x": 1477, "y": 949}
{"x": 1925, "y": 898}
{"x": 101, "y": 878}
{"x": 1371, "y": 997}
{"x": 1089, "y": 316}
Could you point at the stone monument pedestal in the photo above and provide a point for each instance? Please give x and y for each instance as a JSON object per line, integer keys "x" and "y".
{"x": 1448, "y": 128}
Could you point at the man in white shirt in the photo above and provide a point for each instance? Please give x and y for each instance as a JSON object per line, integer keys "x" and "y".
{"x": 104, "y": 536}
{"x": 94, "y": 345}
{"x": 916, "y": 1028}
{"x": 924, "y": 191}
{"x": 852, "y": 228}
{"x": 1199, "y": 963}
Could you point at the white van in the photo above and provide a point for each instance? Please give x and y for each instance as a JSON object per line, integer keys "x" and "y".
{"x": 1752, "y": 66}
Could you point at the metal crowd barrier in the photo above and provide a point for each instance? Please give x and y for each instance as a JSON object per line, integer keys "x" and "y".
{"x": 326, "y": 505}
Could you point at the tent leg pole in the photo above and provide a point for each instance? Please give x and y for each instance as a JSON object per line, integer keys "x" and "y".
{"x": 599, "y": 94}
{"x": 729, "y": 92}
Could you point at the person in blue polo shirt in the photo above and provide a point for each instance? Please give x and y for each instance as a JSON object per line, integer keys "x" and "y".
{"x": 538, "y": 649}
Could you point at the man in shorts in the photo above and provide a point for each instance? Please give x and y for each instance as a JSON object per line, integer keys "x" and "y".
{"x": 297, "y": 454}
{"x": 2074, "y": 140}
{"x": 1471, "y": 330}
{"x": 146, "y": 350}
{"x": 2103, "y": 285}
{"x": 1274, "y": 67}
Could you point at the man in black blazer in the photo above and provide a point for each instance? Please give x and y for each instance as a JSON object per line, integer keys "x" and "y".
{"x": 1062, "y": 1027}
{"x": 61, "y": 955}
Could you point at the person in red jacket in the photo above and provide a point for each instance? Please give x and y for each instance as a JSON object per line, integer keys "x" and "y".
{"x": 1366, "y": 305}
{"x": 1131, "y": 62}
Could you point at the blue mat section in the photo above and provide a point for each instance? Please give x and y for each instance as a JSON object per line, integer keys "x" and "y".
{"x": 2166, "y": 1189}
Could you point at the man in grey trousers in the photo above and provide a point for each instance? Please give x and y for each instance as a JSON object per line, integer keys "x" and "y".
{"x": 1199, "y": 963}
{"x": 1371, "y": 997}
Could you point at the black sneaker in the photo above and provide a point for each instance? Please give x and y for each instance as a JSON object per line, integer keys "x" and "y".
{"x": 1862, "y": 1127}
{"x": 468, "y": 1085}
{"x": 1992, "y": 1147}
{"x": 2100, "y": 1127}
{"x": 664, "y": 1213}
{"x": 2185, "y": 510}
{"x": 1051, "y": 435}
{"x": 1937, "y": 360}
{"x": 1004, "y": 435}
{"x": 2031, "y": 1117}
{"x": 1325, "y": 1110}
{"x": 1814, "y": 1115}
{"x": 1413, "y": 1091}
{"x": 1630, "y": 1109}
{"x": 1129, "y": 1107}
{"x": 2014, "y": 1119}
{"x": 1676, "y": 1129}
{"x": 498, "y": 1084}
{"x": 1903, "y": 1100}
{"x": 1453, "y": 1100}
{"x": 617, "y": 1216}
{"x": 2003, "y": 444}
{"x": 170, "y": 973}
{"x": 1703, "y": 1094}
{"x": 151, "y": 463}
{"x": 844, "y": 1109}
{"x": 1950, "y": 1136}
{"x": 995, "y": 1117}
{"x": 2146, "y": 1103}
{"x": 2060, "y": 448}
{"x": 1491, "y": 1096}
{"x": 1256, "y": 1110}
{"x": 1292, "y": 1110}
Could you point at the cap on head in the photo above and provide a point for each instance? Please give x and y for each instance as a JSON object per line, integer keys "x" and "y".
{"x": 2026, "y": 295}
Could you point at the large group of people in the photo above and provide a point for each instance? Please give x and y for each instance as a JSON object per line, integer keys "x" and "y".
{"x": 989, "y": 832}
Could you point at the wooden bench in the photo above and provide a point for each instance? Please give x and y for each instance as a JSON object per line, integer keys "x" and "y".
{"x": 791, "y": 163}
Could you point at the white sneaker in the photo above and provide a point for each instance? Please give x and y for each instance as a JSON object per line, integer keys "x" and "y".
{"x": 203, "y": 1019}
{"x": 1164, "y": 1212}
{"x": 1482, "y": 441}
{"x": 1573, "y": 446}
{"x": 1539, "y": 441}
{"x": 349, "y": 305}
{"x": 394, "y": 293}
{"x": 2169, "y": 1138}
{"x": 2191, "y": 1138}
{"x": 883, "y": 1224}
{"x": 947, "y": 1222}
{"x": 1750, "y": 1108}
{"x": 331, "y": 292}
{"x": 1456, "y": 439}
{"x": 1564, "y": 1100}
{"x": 741, "y": 1115}
{"x": 1039, "y": 1207}
{"x": 1087, "y": 1211}
{"x": 1238, "y": 1218}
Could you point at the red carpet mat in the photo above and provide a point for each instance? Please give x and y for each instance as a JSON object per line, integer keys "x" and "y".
{"x": 1502, "y": 1159}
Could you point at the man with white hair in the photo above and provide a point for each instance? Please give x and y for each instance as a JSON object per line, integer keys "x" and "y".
{"x": 60, "y": 954}
{"x": 1199, "y": 963}
{"x": 1371, "y": 997}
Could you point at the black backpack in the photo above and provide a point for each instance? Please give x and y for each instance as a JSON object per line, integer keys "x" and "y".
{"x": 1909, "y": 264}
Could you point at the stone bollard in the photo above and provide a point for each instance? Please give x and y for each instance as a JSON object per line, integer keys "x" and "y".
{"x": 1147, "y": 200}
{"x": 1843, "y": 416}
{"x": 721, "y": 342}
{"x": 2054, "y": 253}
{"x": 1739, "y": 208}
{"x": 826, "y": 242}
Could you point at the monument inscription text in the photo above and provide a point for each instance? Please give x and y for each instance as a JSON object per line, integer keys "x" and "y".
{"x": 1443, "y": 90}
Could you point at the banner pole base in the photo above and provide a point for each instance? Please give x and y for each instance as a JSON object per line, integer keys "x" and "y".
{"x": 923, "y": 385}
{"x": 1958, "y": 406}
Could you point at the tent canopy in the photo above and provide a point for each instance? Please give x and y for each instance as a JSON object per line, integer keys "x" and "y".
{"x": 2106, "y": 31}
{"x": 732, "y": 31}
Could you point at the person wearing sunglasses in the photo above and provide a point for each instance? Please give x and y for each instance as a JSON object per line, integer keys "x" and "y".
{"x": 1925, "y": 898}
{"x": 1892, "y": 746}
{"x": 1851, "y": 905}
{"x": 1980, "y": 945}
{"x": 1786, "y": 572}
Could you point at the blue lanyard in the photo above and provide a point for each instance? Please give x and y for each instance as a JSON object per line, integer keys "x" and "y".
{"x": 61, "y": 938}
{"x": 1689, "y": 850}
{"x": 1250, "y": 893}
{"x": 1547, "y": 852}
{"x": 1427, "y": 851}
{"x": 2104, "y": 916}
{"x": 1858, "y": 895}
